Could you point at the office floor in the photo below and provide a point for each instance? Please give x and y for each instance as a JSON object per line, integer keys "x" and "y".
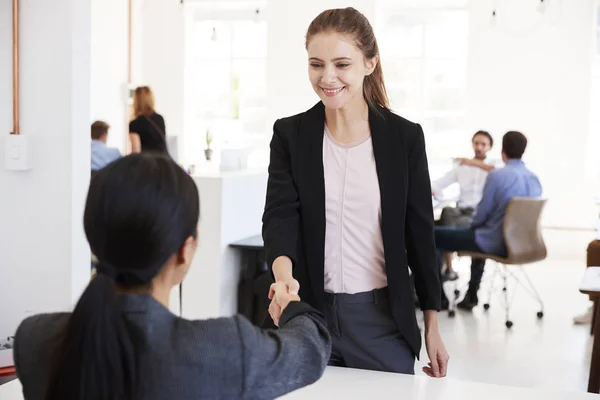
{"x": 548, "y": 353}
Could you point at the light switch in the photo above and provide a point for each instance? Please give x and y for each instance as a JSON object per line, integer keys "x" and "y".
{"x": 14, "y": 152}
{"x": 17, "y": 153}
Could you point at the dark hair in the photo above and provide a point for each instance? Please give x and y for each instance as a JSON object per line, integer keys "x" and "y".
{"x": 486, "y": 134}
{"x": 99, "y": 128}
{"x": 514, "y": 144}
{"x": 139, "y": 212}
{"x": 351, "y": 22}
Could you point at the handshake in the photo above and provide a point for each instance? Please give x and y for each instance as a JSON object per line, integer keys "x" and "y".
{"x": 281, "y": 294}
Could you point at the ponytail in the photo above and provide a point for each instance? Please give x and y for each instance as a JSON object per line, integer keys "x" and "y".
{"x": 139, "y": 211}
{"x": 374, "y": 89}
{"x": 97, "y": 357}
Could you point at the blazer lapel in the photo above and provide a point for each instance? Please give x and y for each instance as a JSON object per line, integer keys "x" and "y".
{"x": 391, "y": 173}
{"x": 312, "y": 180}
{"x": 383, "y": 150}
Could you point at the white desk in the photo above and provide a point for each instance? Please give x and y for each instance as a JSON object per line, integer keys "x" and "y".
{"x": 231, "y": 207}
{"x": 11, "y": 391}
{"x": 344, "y": 383}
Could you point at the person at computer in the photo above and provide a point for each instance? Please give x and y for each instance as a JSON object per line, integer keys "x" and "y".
{"x": 485, "y": 233}
{"x": 470, "y": 175}
{"x": 102, "y": 155}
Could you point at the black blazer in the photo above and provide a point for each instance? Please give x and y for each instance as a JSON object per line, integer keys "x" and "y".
{"x": 294, "y": 217}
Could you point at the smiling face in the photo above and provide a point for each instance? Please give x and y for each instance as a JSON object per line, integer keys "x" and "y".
{"x": 337, "y": 69}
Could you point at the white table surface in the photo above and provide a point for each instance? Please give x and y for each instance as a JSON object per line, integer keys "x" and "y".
{"x": 591, "y": 280}
{"x": 346, "y": 383}
{"x": 11, "y": 391}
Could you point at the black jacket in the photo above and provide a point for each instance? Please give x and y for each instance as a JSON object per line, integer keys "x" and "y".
{"x": 294, "y": 217}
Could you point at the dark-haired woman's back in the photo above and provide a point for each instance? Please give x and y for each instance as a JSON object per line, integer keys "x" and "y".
{"x": 223, "y": 358}
{"x": 121, "y": 342}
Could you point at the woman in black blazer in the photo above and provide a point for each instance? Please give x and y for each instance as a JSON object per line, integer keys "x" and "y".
{"x": 346, "y": 249}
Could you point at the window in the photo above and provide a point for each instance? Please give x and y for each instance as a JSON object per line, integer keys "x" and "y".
{"x": 227, "y": 75}
{"x": 592, "y": 167}
{"x": 424, "y": 57}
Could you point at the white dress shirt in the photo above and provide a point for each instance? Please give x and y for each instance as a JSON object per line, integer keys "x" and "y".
{"x": 470, "y": 179}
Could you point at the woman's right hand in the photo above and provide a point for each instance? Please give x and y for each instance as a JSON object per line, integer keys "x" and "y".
{"x": 280, "y": 294}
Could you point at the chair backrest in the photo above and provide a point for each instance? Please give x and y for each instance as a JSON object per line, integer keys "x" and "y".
{"x": 522, "y": 230}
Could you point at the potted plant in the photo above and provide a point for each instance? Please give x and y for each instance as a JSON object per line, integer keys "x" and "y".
{"x": 208, "y": 151}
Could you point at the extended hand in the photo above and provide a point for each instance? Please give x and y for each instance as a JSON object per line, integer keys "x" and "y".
{"x": 464, "y": 161}
{"x": 281, "y": 293}
{"x": 438, "y": 356}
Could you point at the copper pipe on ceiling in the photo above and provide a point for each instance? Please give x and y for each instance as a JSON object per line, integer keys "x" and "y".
{"x": 15, "y": 43}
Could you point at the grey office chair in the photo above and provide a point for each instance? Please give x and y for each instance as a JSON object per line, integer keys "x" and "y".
{"x": 525, "y": 245}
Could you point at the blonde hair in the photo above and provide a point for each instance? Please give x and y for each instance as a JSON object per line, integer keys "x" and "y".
{"x": 143, "y": 102}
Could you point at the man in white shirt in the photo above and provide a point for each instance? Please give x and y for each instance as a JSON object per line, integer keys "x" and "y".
{"x": 470, "y": 174}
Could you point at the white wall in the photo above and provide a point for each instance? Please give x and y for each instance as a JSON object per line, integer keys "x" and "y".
{"x": 163, "y": 59}
{"x": 210, "y": 288}
{"x": 109, "y": 67}
{"x": 44, "y": 258}
{"x": 288, "y": 89}
{"x": 532, "y": 72}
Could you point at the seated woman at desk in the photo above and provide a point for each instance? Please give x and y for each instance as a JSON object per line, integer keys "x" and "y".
{"x": 122, "y": 342}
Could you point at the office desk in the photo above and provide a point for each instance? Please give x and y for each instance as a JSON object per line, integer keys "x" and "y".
{"x": 590, "y": 285}
{"x": 345, "y": 383}
{"x": 255, "y": 279}
{"x": 252, "y": 243}
{"x": 11, "y": 391}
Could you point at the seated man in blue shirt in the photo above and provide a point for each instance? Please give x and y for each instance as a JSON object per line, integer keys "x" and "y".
{"x": 102, "y": 155}
{"x": 486, "y": 234}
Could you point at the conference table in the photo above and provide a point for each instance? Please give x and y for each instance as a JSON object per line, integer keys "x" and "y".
{"x": 346, "y": 383}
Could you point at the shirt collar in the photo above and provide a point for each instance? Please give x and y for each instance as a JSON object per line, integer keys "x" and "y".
{"x": 515, "y": 161}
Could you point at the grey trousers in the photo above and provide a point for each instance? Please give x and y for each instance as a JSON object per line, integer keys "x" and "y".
{"x": 365, "y": 335}
{"x": 456, "y": 217}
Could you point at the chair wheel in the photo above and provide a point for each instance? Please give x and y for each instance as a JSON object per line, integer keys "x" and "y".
{"x": 540, "y": 314}
{"x": 486, "y": 306}
{"x": 509, "y": 324}
{"x": 451, "y": 314}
